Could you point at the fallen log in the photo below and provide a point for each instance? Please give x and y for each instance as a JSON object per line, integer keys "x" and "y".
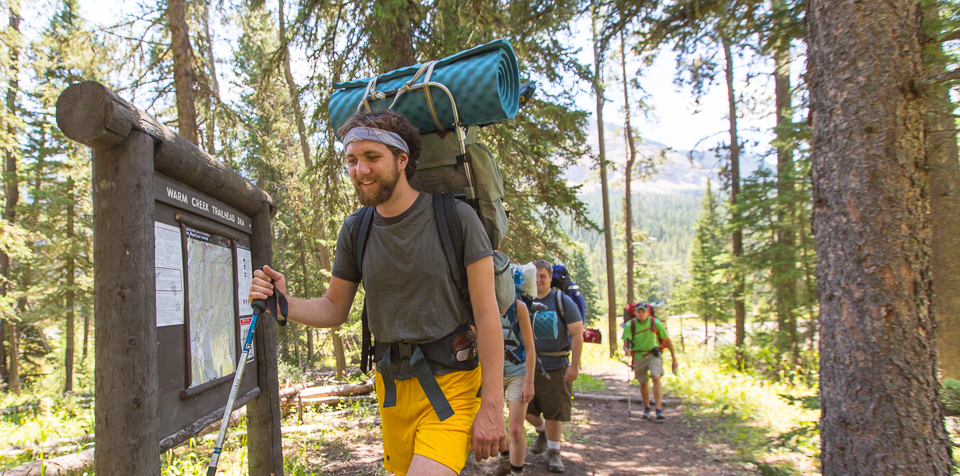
{"x": 335, "y": 400}
{"x": 337, "y": 390}
{"x": 60, "y": 465}
{"x": 618, "y": 398}
{"x": 57, "y": 446}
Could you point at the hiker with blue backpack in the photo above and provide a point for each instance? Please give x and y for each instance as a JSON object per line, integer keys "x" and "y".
{"x": 428, "y": 357}
{"x": 519, "y": 365}
{"x": 558, "y": 337}
{"x": 644, "y": 340}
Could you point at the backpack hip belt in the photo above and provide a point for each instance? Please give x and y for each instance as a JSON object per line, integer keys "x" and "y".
{"x": 456, "y": 351}
{"x": 559, "y": 353}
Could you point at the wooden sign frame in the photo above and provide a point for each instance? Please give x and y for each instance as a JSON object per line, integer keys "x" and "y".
{"x": 135, "y": 419}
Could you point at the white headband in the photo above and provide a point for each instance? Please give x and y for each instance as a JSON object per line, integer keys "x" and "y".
{"x": 375, "y": 135}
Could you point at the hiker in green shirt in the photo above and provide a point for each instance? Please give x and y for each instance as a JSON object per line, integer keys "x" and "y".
{"x": 645, "y": 343}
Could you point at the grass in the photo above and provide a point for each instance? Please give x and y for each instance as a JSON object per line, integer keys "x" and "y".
{"x": 772, "y": 425}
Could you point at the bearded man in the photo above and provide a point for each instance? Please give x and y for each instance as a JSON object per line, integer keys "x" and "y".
{"x": 414, "y": 308}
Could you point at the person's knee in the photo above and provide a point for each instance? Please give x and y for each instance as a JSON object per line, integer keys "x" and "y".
{"x": 517, "y": 433}
{"x": 655, "y": 379}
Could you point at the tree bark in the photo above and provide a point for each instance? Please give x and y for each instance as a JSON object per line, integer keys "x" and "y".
{"x": 878, "y": 383}
{"x": 605, "y": 193}
{"x": 944, "y": 205}
{"x": 294, "y": 92}
{"x": 70, "y": 269}
{"x": 628, "y": 172}
{"x": 13, "y": 377}
{"x": 214, "y": 84}
{"x": 739, "y": 308}
{"x": 11, "y": 186}
{"x": 182, "y": 69}
{"x": 392, "y": 33}
{"x": 783, "y": 272}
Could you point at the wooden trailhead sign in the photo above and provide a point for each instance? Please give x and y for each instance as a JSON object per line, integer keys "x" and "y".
{"x": 176, "y": 237}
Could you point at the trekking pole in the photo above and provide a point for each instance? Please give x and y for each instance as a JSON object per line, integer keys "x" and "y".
{"x": 258, "y": 305}
{"x": 629, "y": 393}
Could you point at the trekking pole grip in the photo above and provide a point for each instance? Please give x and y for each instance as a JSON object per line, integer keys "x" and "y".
{"x": 259, "y": 305}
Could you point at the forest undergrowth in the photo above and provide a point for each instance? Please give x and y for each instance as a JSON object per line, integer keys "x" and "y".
{"x": 773, "y": 425}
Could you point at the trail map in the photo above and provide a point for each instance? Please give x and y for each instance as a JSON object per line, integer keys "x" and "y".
{"x": 211, "y": 294}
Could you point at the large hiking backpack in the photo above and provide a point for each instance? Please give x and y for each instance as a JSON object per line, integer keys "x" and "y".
{"x": 525, "y": 281}
{"x": 442, "y": 168}
{"x": 563, "y": 282}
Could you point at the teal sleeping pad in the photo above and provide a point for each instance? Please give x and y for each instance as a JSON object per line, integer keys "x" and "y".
{"x": 484, "y": 81}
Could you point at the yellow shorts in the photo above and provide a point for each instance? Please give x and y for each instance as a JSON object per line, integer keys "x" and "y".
{"x": 412, "y": 427}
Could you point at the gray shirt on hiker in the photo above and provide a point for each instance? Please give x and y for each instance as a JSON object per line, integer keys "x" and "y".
{"x": 410, "y": 295}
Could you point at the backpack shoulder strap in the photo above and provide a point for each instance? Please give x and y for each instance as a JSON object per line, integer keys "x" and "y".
{"x": 360, "y": 233}
{"x": 561, "y": 309}
{"x": 451, "y": 239}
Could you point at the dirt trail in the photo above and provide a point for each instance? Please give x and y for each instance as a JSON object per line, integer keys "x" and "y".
{"x": 602, "y": 440}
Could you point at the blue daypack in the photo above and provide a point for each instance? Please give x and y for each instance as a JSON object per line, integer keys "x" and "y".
{"x": 514, "y": 350}
{"x": 562, "y": 281}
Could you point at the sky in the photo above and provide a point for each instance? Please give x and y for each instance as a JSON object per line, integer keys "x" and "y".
{"x": 675, "y": 119}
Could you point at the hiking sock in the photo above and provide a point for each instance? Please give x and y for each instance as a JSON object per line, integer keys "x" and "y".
{"x": 505, "y": 454}
{"x": 553, "y": 445}
{"x": 543, "y": 427}
{"x": 516, "y": 469}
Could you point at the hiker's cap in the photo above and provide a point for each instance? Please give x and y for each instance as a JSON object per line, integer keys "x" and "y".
{"x": 376, "y": 135}
{"x": 642, "y": 305}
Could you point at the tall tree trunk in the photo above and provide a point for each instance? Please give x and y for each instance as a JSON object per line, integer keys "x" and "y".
{"x": 86, "y": 335}
{"x": 11, "y": 188}
{"x": 392, "y": 36}
{"x": 182, "y": 69}
{"x": 607, "y": 226}
{"x": 628, "y": 173}
{"x": 13, "y": 382}
{"x": 294, "y": 92}
{"x": 306, "y": 287}
{"x": 784, "y": 267}
{"x": 71, "y": 292}
{"x": 878, "y": 373}
{"x": 214, "y": 100}
{"x": 944, "y": 204}
{"x": 739, "y": 308}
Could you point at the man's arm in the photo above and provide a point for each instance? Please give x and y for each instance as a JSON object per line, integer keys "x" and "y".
{"x": 576, "y": 345}
{"x": 489, "y": 432}
{"x": 329, "y": 311}
{"x": 669, "y": 345}
{"x": 526, "y": 334}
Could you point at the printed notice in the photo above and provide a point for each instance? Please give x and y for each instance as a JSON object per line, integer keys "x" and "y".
{"x": 244, "y": 278}
{"x": 244, "y": 328}
{"x": 169, "y": 269}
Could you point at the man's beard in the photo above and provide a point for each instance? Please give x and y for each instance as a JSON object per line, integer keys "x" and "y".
{"x": 386, "y": 185}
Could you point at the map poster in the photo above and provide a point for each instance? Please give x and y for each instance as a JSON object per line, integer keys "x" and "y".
{"x": 244, "y": 278}
{"x": 213, "y": 340}
{"x": 169, "y": 279}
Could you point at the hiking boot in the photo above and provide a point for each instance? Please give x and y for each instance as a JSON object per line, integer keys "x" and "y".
{"x": 503, "y": 469}
{"x": 540, "y": 444}
{"x": 660, "y": 416}
{"x": 554, "y": 462}
{"x": 646, "y": 413}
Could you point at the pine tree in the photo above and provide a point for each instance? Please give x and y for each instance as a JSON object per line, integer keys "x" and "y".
{"x": 708, "y": 289}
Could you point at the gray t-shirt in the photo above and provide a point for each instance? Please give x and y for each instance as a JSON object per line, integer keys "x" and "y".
{"x": 410, "y": 295}
{"x": 571, "y": 315}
